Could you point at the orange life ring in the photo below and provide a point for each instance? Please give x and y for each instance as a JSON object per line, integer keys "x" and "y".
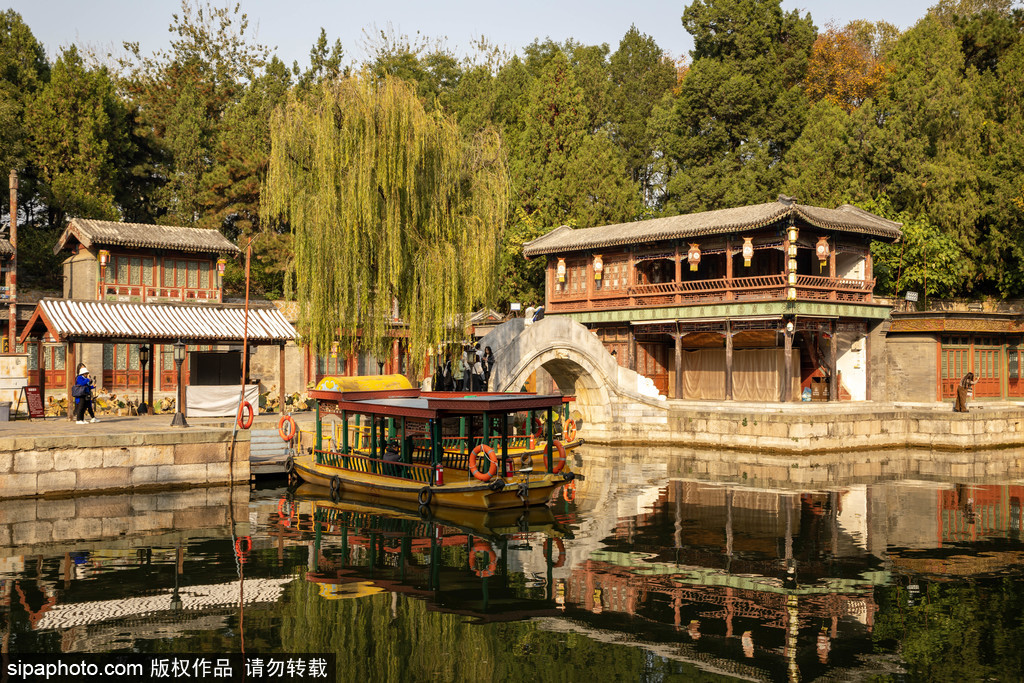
{"x": 245, "y": 423}
{"x": 286, "y": 421}
{"x": 538, "y": 428}
{"x": 491, "y": 471}
{"x": 243, "y": 555}
{"x": 569, "y": 492}
{"x": 560, "y": 462}
{"x": 569, "y": 431}
{"x": 482, "y": 546}
{"x": 560, "y": 545}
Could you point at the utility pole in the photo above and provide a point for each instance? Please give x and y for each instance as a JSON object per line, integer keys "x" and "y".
{"x": 13, "y": 276}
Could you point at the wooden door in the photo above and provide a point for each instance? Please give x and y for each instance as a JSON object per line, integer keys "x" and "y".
{"x": 956, "y": 362}
{"x": 987, "y": 372}
{"x": 652, "y": 362}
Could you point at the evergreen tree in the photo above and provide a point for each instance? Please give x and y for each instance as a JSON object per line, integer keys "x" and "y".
{"x": 740, "y": 106}
{"x": 640, "y": 75}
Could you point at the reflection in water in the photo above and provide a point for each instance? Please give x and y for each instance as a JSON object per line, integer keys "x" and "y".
{"x": 651, "y": 567}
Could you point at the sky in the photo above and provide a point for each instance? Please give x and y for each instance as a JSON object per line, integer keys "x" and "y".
{"x": 293, "y": 25}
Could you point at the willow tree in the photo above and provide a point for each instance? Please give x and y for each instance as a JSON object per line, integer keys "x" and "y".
{"x": 390, "y": 208}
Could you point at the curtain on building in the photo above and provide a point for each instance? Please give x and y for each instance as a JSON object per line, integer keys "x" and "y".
{"x": 756, "y": 374}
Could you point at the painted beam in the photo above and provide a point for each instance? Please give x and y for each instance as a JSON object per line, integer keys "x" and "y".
{"x": 733, "y": 310}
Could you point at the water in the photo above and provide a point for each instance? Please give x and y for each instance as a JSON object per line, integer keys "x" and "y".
{"x": 661, "y": 566}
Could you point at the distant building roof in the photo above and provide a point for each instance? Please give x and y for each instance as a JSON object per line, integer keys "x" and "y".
{"x": 64, "y": 319}
{"x": 6, "y": 249}
{"x": 141, "y": 235}
{"x": 846, "y": 218}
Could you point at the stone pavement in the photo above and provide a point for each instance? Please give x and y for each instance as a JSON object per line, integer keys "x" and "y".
{"x": 144, "y": 424}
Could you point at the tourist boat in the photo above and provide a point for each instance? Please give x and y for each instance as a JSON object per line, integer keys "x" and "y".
{"x": 448, "y": 449}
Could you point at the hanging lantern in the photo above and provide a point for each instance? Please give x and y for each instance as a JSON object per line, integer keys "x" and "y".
{"x": 792, "y": 233}
{"x": 104, "y": 257}
{"x": 791, "y": 294}
{"x": 792, "y": 278}
{"x": 598, "y": 266}
{"x": 222, "y": 264}
{"x": 792, "y": 250}
{"x": 821, "y": 249}
{"x": 792, "y": 265}
{"x": 334, "y": 349}
{"x": 560, "y": 270}
{"x": 748, "y": 250}
{"x": 693, "y": 256}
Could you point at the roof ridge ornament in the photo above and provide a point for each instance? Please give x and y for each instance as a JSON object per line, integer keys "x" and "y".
{"x": 787, "y": 200}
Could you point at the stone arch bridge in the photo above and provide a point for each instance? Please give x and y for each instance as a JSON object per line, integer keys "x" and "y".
{"x": 612, "y": 399}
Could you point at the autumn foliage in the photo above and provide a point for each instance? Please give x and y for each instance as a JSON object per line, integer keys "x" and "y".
{"x": 842, "y": 69}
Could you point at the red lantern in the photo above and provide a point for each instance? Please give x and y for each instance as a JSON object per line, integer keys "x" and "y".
{"x": 821, "y": 249}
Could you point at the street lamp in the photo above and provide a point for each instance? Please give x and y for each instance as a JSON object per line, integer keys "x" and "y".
{"x": 179, "y": 358}
{"x": 144, "y": 360}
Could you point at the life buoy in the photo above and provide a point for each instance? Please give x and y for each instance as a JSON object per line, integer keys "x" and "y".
{"x": 482, "y": 546}
{"x": 245, "y": 423}
{"x": 242, "y": 552}
{"x": 538, "y": 428}
{"x": 560, "y": 546}
{"x": 569, "y": 431}
{"x": 559, "y": 462}
{"x": 286, "y": 434}
{"x": 491, "y": 455}
{"x": 335, "y": 485}
{"x": 569, "y": 492}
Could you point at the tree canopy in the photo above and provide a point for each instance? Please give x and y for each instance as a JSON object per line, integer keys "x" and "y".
{"x": 394, "y": 214}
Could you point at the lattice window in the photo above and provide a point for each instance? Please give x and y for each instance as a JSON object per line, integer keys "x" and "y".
{"x": 133, "y": 357}
{"x": 122, "y": 270}
{"x": 168, "y": 273}
{"x": 204, "y": 275}
{"x": 108, "y": 356}
{"x": 135, "y": 273}
{"x": 147, "y": 272}
{"x": 193, "y": 274}
{"x": 58, "y": 358}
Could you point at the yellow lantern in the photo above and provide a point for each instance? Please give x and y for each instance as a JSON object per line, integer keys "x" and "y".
{"x": 791, "y": 294}
{"x": 821, "y": 249}
{"x": 104, "y": 257}
{"x": 560, "y": 270}
{"x": 222, "y": 264}
{"x": 693, "y": 256}
{"x": 598, "y": 266}
{"x": 748, "y": 250}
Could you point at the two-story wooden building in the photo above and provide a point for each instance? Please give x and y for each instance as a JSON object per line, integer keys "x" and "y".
{"x": 138, "y": 263}
{"x": 728, "y": 304}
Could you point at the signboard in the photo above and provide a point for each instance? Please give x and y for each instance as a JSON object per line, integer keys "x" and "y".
{"x": 1013, "y": 361}
{"x": 34, "y": 401}
{"x": 911, "y": 296}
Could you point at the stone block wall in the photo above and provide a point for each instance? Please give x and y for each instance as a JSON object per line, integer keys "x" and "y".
{"x": 811, "y": 429}
{"x": 911, "y": 373}
{"x": 35, "y": 466}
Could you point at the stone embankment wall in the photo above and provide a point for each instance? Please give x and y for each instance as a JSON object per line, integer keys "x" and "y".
{"x": 802, "y": 429}
{"x": 63, "y": 465}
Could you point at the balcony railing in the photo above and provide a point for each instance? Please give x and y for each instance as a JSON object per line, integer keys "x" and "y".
{"x": 756, "y": 288}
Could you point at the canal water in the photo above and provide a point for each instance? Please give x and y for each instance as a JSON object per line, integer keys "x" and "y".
{"x": 659, "y": 566}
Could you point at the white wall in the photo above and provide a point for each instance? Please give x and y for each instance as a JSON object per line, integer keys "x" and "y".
{"x": 851, "y": 361}
{"x": 849, "y": 266}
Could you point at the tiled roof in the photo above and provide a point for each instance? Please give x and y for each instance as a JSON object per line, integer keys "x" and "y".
{"x": 846, "y": 218}
{"x": 196, "y": 322}
{"x": 6, "y": 248}
{"x": 141, "y": 235}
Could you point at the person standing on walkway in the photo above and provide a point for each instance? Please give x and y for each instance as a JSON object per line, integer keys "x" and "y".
{"x": 964, "y": 391}
{"x": 478, "y": 372}
{"x": 488, "y": 365}
{"x": 82, "y": 392}
{"x": 460, "y": 371}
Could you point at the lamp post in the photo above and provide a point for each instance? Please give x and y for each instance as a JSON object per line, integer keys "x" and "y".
{"x": 179, "y": 358}
{"x": 144, "y": 360}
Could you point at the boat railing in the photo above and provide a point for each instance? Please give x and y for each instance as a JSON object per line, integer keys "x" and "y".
{"x": 363, "y": 463}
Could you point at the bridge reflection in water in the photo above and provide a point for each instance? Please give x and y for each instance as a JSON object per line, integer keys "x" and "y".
{"x": 657, "y": 563}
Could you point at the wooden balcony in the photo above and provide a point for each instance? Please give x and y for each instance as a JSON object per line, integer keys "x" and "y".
{"x": 757, "y": 288}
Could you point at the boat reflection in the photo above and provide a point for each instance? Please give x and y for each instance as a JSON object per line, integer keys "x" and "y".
{"x": 460, "y": 561}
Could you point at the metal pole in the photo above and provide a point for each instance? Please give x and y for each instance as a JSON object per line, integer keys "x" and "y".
{"x": 12, "y": 278}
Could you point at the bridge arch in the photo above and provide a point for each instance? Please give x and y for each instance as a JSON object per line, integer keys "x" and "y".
{"x": 574, "y": 357}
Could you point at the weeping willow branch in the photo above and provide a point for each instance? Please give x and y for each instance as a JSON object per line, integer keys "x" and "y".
{"x": 385, "y": 202}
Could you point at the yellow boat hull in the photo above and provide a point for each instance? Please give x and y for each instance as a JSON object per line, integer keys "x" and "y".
{"x": 459, "y": 490}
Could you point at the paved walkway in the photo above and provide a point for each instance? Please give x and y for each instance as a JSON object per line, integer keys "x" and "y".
{"x": 145, "y": 424}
